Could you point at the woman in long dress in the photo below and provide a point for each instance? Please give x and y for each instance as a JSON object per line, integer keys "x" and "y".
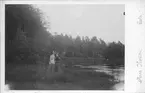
{"x": 52, "y": 62}
{"x": 58, "y": 64}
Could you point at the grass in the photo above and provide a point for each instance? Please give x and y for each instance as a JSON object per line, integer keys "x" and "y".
{"x": 37, "y": 77}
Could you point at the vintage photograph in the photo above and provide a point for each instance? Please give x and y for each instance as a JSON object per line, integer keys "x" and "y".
{"x": 64, "y": 46}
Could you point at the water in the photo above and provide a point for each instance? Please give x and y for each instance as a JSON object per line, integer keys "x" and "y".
{"x": 116, "y": 72}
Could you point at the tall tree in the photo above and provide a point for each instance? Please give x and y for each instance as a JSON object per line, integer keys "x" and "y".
{"x": 28, "y": 20}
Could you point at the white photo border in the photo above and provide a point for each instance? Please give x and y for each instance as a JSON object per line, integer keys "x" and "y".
{"x": 134, "y": 44}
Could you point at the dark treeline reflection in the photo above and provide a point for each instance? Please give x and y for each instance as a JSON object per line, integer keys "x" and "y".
{"x": 29, "y": 42}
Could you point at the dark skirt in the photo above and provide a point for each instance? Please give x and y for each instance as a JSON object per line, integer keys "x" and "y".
{"x": 55, "y": 68}
{"x": 58, "y": 68}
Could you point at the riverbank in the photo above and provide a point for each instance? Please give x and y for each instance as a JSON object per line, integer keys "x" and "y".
{"x": 35, "y": 77}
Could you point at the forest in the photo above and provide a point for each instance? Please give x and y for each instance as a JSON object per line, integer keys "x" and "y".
{"x": 29, "y": 41}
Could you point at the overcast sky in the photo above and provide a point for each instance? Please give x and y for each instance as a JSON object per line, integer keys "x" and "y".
{"x": 103, "y": 21}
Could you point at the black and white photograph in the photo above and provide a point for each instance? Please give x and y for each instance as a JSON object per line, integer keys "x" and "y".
{"x": 65, "y": 46}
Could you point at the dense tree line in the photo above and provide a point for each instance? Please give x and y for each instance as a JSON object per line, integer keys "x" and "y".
{"x": 28, "y": 40}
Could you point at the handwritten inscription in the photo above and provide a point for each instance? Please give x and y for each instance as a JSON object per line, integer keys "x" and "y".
{"x": 139, "y": 62}
{"x": 139, "y": 21}
{"x": 139, "y": 77}
{"x": 139, "y": 65}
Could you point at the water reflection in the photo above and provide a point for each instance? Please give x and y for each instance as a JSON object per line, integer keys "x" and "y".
{"x": 116, "y": 72}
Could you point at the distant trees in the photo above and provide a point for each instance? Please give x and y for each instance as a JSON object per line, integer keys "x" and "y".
{"x": 27, "y": 38}
{"x": 114, "y": 50}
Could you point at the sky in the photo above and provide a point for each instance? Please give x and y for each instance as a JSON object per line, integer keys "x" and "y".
{"x": 104, "y": 21}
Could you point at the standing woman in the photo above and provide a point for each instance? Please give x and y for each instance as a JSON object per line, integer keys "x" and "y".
{"x": 58, "y": 64}
{"x": 52, "y": 62}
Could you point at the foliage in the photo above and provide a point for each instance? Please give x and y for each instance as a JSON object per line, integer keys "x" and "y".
{"x": 27, "y": 39}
